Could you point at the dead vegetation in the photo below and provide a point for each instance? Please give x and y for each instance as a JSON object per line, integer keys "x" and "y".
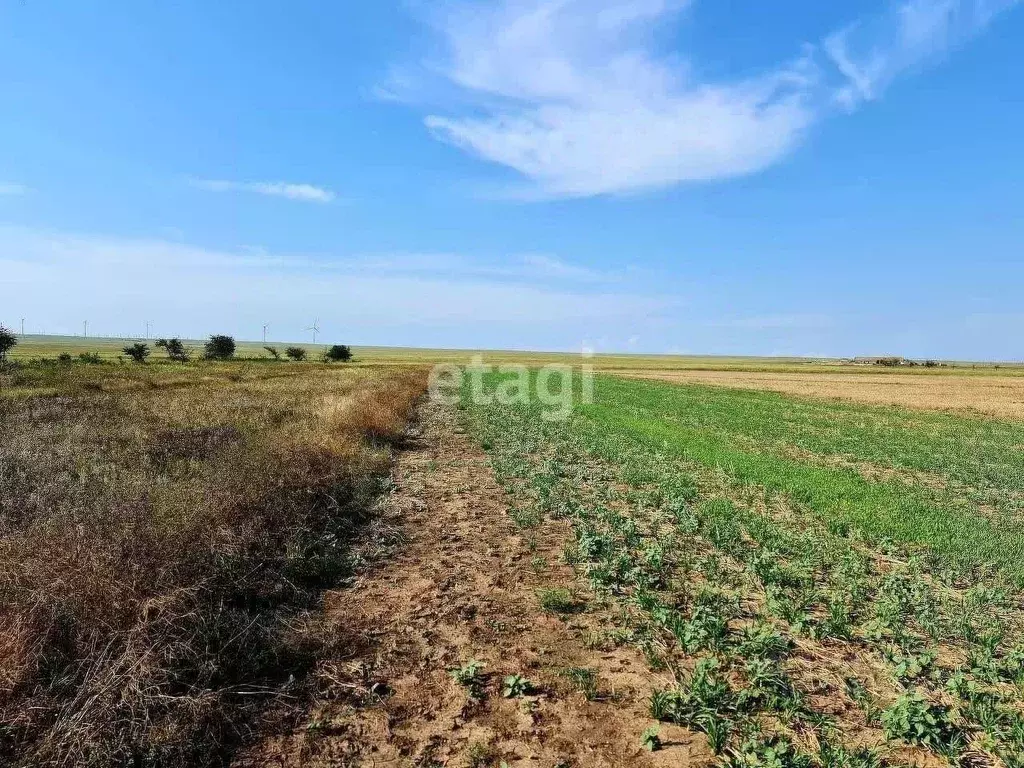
{"x": 993, "y": 395}
{"x": 161, "y": 532}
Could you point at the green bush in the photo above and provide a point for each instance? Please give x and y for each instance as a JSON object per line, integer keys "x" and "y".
{"x": 339, "y": 353}
{"x": 174, "y": 348}
{"x": 219, "y": 347}
{"x": 7, "y": 342}
{"x": 137, "y": 352}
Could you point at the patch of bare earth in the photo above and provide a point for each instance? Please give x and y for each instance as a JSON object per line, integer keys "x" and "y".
{"x": 463, "y": 586}
{"x": 1000, "y": 396}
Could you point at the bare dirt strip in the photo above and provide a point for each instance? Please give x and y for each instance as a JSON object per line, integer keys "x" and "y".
{"x": 462, "y": 585}
{"x": 999, "y": 396}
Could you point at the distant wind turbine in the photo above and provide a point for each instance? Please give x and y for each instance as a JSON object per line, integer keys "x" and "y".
{"x": 265, "y": 326}
{"x": 315, "y": 328}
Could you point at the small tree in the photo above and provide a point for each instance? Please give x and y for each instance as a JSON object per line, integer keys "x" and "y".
{"x": 8, "y": 341}
{"x": 297, "y": 354}
{"x": 272, "y": 351}
{"x": 137, "y": 352}
{"x": 220, "y": 348}
{"x": 174, "y": 348}
{"x": 339, "y": 353}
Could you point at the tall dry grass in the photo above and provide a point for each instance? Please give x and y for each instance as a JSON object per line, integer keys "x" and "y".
{"x": 161, "y": 529}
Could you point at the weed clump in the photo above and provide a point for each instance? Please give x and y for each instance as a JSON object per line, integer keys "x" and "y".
{"x": 470, "y": 677}
{"x": 559, "y": 600}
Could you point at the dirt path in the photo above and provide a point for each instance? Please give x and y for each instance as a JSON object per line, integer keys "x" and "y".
{"x": 463, "y": 586}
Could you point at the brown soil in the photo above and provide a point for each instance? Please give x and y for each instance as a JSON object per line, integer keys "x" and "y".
{"x": 1000, "y": 396}
{"x": 463, "y": 586}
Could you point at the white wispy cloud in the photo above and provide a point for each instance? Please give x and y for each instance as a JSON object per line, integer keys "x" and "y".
{"x": 304, "y": 192}
{"x": 56, "y": 279}
{"x": 774, "y": 322}
{"x": 871, "y": 53}
{"x": 529, "y": 267}
{"x": 544, "y": 265}
{"x": 575, "y": 96}
{"x": 10, "y": 189}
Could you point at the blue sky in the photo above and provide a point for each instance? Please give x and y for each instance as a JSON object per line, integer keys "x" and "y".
{"x": 642, "y": 175}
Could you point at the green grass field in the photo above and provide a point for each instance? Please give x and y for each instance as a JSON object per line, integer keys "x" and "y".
{"x": 830, "y": 584}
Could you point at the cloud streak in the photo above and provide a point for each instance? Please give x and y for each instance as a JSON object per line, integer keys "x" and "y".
{"x": 871, "y": 53}
{"x": 9, "y": 189}
{"x": 575, "y": 97}
{"x": 302, "y": 192}
{"x": 56, "y": 279}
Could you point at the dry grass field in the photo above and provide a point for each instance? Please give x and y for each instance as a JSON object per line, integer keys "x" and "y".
{"x": 988, "y": 393}
{"x": 165, "y": 531}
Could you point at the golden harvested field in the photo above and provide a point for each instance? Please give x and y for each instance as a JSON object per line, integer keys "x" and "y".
{"x": 995, "y": 395}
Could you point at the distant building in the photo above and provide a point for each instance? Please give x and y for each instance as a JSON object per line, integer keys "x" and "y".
{"x": 892, "y": 360}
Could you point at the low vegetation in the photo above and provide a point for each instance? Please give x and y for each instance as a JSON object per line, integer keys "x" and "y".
{"x": 820, "y": 584}
{"x": 165, "y": 533}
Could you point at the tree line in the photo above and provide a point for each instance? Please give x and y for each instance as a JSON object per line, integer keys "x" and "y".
{"x": 219, "y": 347}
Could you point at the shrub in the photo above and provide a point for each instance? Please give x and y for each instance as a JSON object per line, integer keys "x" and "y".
{"x": 137, "y": 352}
{"x": 90, "y": 358}
{"x": 174, "y": 348}
{"x": 219, "y": 347}
{"x": 7, "y": 342}
{"x": 296, "y": 353}
{"x": 339, "y": 353}
{"x": 272, "y": 351}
